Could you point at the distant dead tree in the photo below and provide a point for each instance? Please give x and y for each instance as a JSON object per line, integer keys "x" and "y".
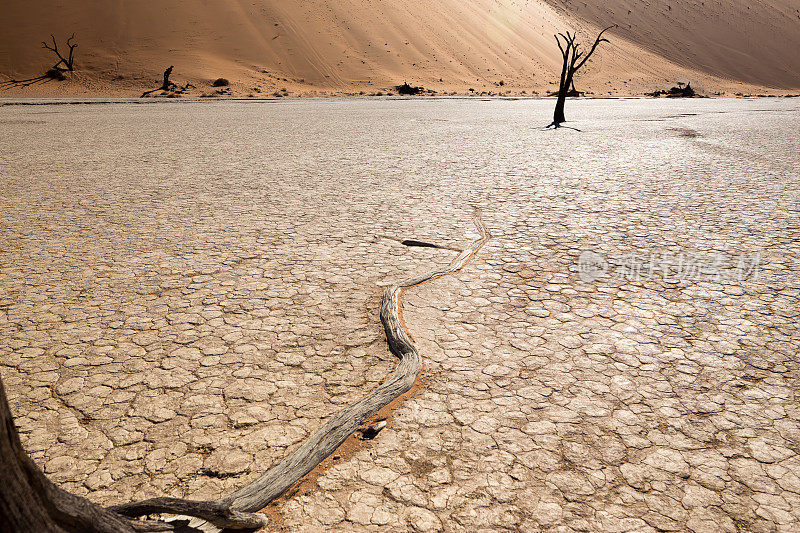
{"x": 166, "y": 86}
{"x": 69, "y": 61}
{"x": 56, "y": 72}
{"x": 573, "y": 60}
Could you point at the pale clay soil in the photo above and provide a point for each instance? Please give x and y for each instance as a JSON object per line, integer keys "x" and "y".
{"x": 178, "y": 328}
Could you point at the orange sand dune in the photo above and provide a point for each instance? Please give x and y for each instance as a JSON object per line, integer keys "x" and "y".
{"x": 745, "y": 40}
{"x": 347, "y": 46}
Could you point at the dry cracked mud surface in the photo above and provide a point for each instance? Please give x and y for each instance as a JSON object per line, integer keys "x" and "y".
{"x": 187, "y": 291}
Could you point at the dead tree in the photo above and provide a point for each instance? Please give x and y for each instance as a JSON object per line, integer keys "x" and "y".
{"x": 573, "y": 60}
{"x": 56, "y": 72}
{"x": 31, "y": 502}
{"x": 165, "y": 86}
{"x": 68, "y": 62}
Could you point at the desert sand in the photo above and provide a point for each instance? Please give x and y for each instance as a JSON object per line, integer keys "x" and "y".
{"x": 369, "y": 46}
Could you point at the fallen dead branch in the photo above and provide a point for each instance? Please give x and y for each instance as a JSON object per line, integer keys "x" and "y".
{"x": 31, "y": 502}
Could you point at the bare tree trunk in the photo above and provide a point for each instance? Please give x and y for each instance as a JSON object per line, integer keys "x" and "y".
{"x": 558, "y": 114}
{"x": 563, "y": 89}
{"x": 29, "y": 502}
{"x": 165, "y": 86}
{"x": 167, "y": 74}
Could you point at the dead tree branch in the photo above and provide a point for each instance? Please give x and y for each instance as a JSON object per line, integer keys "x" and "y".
{"x": 31, "y": 502}
{"x": 166, "y": 85}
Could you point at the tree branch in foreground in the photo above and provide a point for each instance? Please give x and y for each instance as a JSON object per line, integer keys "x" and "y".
{"x": 31, "y": 502}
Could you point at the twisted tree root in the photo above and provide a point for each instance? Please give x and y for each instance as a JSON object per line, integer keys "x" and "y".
{"x": 238, "y": 510}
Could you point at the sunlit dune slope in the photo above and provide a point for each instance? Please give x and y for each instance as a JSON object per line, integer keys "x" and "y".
{"x": 331, "y": 46}
{"x": 756, "y": 41}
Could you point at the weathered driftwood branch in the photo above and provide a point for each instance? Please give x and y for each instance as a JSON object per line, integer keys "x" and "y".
{"x": 330, "y": 436}
{"x": 326, "y": 439}
{"x": 29, "y": 500}
{"x": 220, "y": 515}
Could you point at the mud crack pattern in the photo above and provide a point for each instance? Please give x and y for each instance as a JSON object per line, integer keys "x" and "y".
{"x": 174, "y": 316}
